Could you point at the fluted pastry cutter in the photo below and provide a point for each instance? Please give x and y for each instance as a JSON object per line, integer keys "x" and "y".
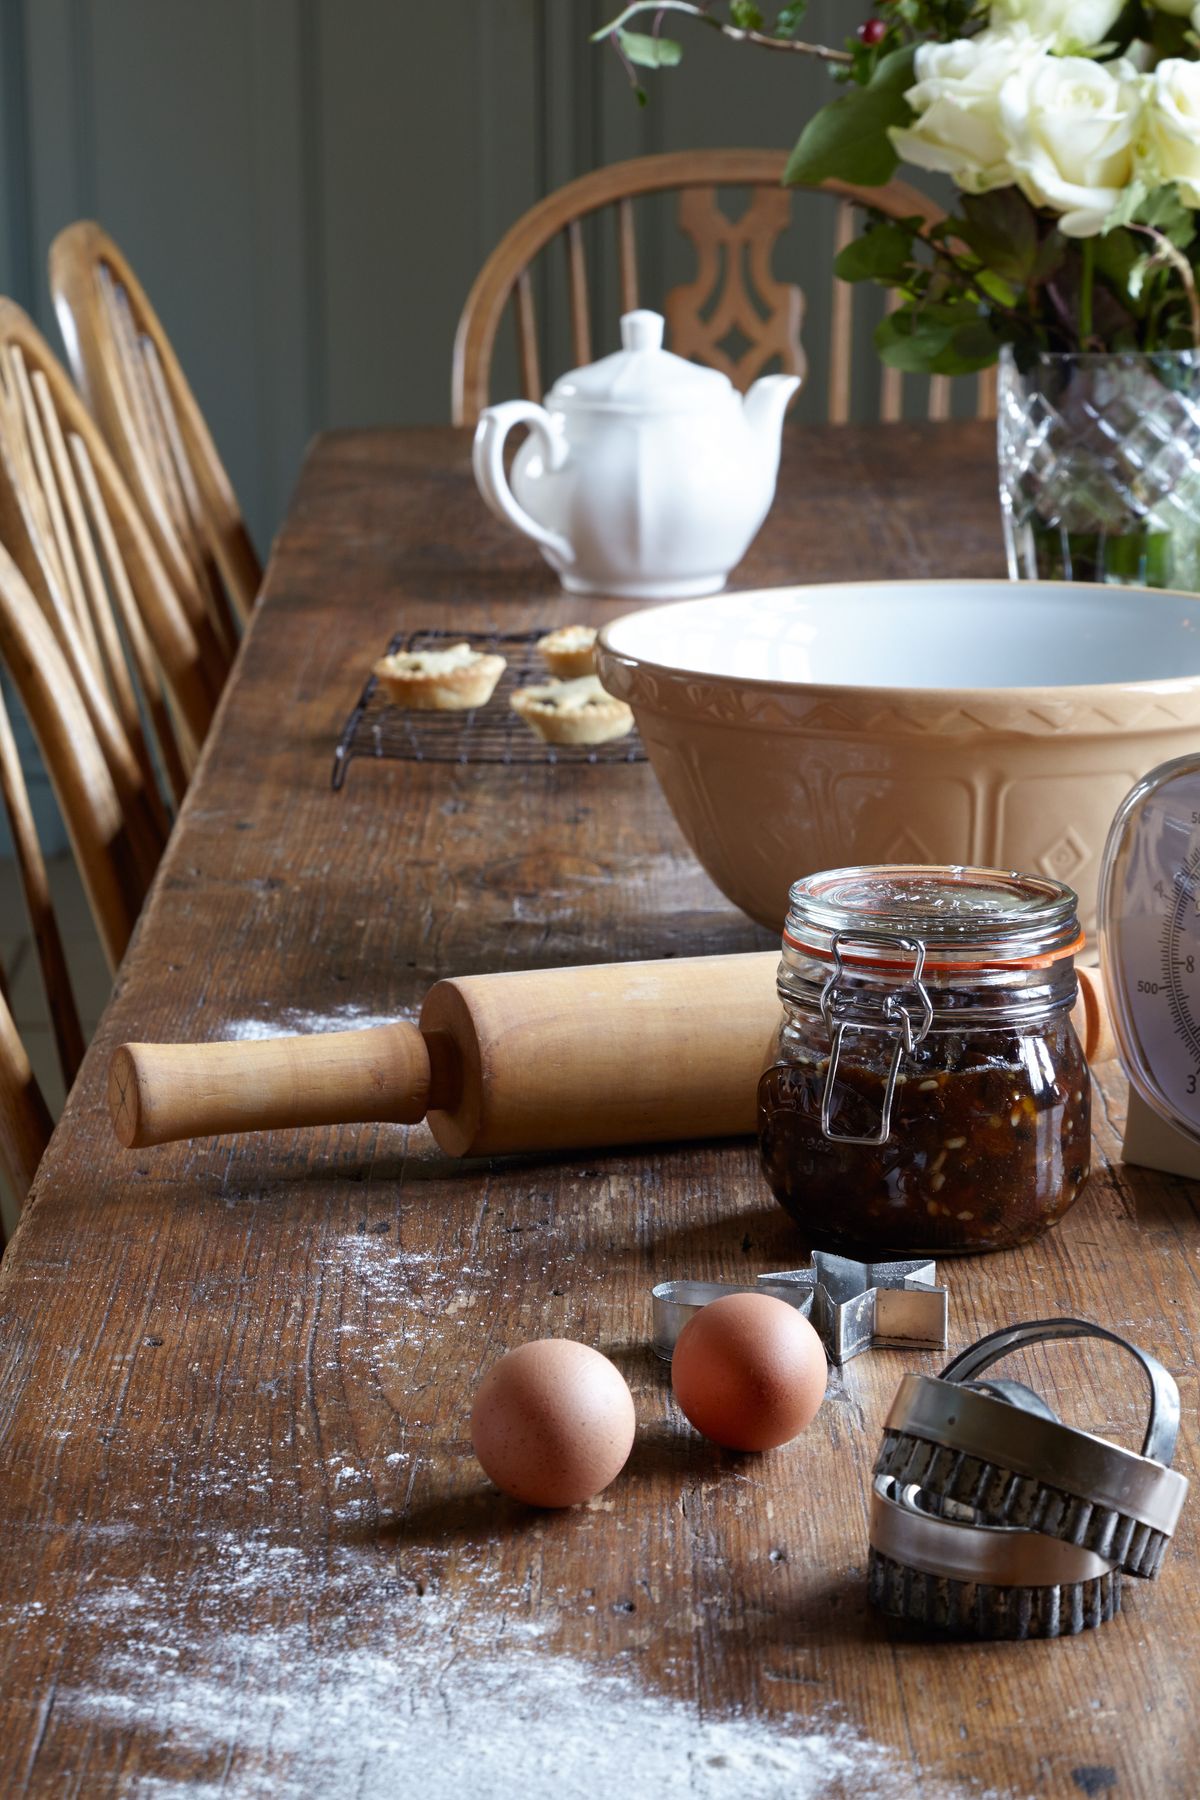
{"x": 991, "y": 1518}
{"x": 853, "y": 1306}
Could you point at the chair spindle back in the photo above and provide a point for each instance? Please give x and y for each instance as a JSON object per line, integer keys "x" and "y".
{"x": 735, "y": 314}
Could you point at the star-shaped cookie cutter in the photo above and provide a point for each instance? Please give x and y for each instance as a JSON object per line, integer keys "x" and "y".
{"x": 853, "y": 1306}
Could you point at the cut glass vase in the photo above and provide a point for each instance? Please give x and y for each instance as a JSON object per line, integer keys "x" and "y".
{"x": 1100, "y": 467}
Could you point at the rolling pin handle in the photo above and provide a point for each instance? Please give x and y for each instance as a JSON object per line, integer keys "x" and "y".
{"x": 162, "y": 1093}
{"x": 1091, "y": 1018}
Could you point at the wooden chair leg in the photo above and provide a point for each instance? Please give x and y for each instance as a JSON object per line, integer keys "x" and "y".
{"x": 25, "y": 1122}
{"x": 60, "y": 997}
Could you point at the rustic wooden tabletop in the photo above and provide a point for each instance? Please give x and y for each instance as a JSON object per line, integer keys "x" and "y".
{"x": 244, "y": 1546}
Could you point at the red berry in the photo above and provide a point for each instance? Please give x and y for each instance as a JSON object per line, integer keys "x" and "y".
{"x": 872, "y": 32}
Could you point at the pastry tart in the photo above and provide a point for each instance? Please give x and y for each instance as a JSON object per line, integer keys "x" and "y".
{"x": 570, "y": 651}
{"x": 450, "y": 680}
{"x": 573, "y": 712}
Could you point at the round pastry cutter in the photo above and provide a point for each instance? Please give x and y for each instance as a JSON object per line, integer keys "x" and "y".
{"x": 991, "y": 1518}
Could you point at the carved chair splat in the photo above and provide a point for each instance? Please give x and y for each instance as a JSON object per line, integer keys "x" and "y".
{"x": 734, "y": 293}
{"x": 735, "y": 290}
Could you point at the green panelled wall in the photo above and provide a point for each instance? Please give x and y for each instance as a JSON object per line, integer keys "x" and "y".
{"x": 307, "y": 187}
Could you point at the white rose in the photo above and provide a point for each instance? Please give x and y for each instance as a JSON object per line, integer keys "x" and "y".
{"x": 958, "y": 130}
{"x": 1069, "y": 24}
{"x": 1072, "y": 125}
{"x": 1172, "y": 127}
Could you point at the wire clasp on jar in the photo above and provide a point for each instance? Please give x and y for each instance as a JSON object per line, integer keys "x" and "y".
{"x": 905, "y": 1013}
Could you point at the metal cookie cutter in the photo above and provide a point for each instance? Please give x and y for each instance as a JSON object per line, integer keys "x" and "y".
{"x": 990, "y": 1516}
{"x": 988, "y": 1581}
{"x": 853, "y": 1306}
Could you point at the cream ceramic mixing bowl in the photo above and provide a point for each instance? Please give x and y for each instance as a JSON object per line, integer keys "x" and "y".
{"x": 982, "y": 722}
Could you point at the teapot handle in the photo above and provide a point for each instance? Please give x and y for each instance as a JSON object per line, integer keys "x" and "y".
{"x": 488, "y": 459}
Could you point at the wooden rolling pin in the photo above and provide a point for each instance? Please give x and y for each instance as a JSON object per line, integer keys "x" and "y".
{"x": 553, "y": 1059}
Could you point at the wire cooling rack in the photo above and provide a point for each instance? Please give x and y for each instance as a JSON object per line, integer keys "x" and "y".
{"x": 487, "y": 734}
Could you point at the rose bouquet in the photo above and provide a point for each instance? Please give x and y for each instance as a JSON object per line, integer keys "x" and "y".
{"x": 1071, "y": 131}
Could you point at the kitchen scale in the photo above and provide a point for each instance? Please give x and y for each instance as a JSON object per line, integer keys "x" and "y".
{"x": 1149, "y": 910}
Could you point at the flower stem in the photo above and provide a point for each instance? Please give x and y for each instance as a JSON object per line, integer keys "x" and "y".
{"x": 1166, "y": 254}
{"x": 986, "y": 300}
{"x": 1086, "y": 288}
{"x": 738, "y": 35}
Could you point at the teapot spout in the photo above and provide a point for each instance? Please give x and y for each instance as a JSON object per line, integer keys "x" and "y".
{"x": 764, "y": 407}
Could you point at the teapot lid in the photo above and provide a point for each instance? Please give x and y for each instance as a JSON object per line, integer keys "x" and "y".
{"x": 641, "y": 376}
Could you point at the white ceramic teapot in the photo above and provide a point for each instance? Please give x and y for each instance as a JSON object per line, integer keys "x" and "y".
{"x": 644, "y": 476}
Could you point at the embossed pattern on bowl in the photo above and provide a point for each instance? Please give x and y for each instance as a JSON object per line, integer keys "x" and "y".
{"x": 1000, "y": 724}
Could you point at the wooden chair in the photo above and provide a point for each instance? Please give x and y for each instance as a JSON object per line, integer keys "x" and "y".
{"x": 25, "y": 1122}
{"x": 71, "y": 525}
{"x": 132, "y": 380}
{"x": 109, "y": 850}
{"x": 734, "y": 290}
{"x": 110, "y": 858}
{"x": 39, "y": 907}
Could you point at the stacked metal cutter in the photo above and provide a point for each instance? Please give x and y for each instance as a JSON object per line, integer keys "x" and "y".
{"x": 991, "y": 1518}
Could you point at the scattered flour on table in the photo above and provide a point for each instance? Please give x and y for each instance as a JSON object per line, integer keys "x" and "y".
{"x": 289, "y": 1019}
{"x": 461, "y": 1705}
{"x": 245, "y": 1689}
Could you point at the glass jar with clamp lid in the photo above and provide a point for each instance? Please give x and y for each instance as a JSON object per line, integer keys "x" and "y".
{"x": 926, "y": 1091}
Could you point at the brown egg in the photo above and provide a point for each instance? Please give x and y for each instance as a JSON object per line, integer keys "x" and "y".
{"x": 749, "y": 1371}
{"x": 553, "y": 1422}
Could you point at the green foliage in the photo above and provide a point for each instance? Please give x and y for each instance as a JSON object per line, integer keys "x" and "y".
{"x": 1165, "y": 211}
{"x": 999, "y": 270}
{"x": 939, "y": 19}
{"x": 1159, "y": 207}
{"x": 1167, "y": 32}
{"x": 996, "y": 288}
{"x": 648, "y": 52}
{"x": 789, "y": 19}
{"x": 1001, "y": 229}
{"x": 848, "y": 139}
{"x": 884, "y": 253}
{"x": 947, "y": 338}
{"x": 1049, "y": 259}
{"x": 1119, "y": 256}
{"x": 1135, "y": 278}
{"x": 1127, "y": 206}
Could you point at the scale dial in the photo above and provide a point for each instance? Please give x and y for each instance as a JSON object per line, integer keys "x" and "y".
{"x": 1150, "y": 939}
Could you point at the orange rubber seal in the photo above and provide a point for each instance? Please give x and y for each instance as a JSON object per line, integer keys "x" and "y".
{"x": 851, "y": 961}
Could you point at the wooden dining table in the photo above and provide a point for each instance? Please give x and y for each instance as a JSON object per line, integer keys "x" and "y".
{"x": 245, "y": 1547}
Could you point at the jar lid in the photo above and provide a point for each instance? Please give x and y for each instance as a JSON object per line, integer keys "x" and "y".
{"x": 641, "y": 376}
{"x": 965, "y": 918}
